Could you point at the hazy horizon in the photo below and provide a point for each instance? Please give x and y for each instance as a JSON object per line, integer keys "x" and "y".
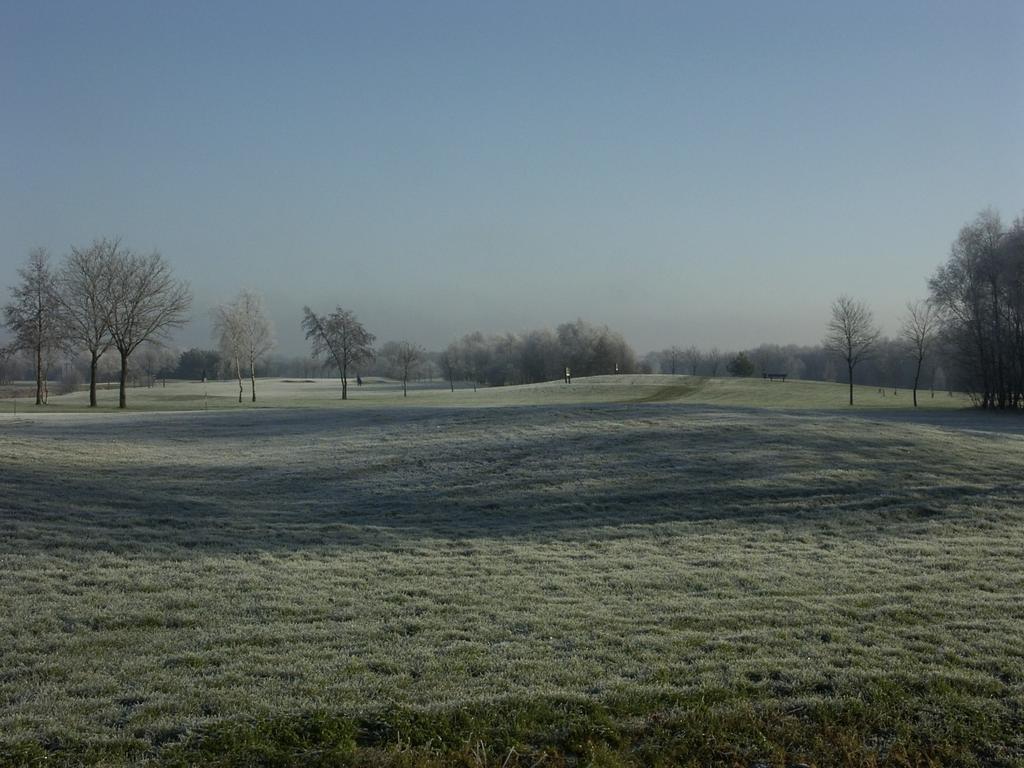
{"x": 710, "y": 176}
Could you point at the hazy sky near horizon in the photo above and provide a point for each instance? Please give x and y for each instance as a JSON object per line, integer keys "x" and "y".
{"x": 708, "y": 173}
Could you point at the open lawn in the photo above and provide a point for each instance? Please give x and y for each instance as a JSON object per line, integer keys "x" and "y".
{"x": 621, "y": 571}
{"x": 326, "y": 393}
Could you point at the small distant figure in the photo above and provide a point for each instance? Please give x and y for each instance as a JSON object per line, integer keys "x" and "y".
{"x": 568, "y": 375}
{"x": 204, "y": 375}
{"x": 359, "y": 380}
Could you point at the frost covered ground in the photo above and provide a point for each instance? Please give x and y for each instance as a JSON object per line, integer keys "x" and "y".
{"x": 613, "y": 572}
{"x": 326, "y": 393}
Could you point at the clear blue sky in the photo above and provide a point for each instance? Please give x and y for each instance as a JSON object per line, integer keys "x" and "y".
{"x": 709, "y": 173}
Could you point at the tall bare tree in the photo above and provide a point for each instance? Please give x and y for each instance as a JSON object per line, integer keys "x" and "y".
{"x": 341, "y": 336}
{"x": 403, "y": 356}
{"x": 227, "y": 331}
{"x": 244, "y": 335}
{"x": 35, "y": 316}
{"x": 693, "y": 358}
{"x": 851, "y": 333}
{"x": 146, "y": 303}
{"x": 450, "y": 363}
{"x": 86, "y": 288}
{"x": 980, "y": 293}
{"x": 919, "y": 333}
{"x": 671, "y": 358}
{"x": 714, "y": 360}
{"x": 257, "y": 332}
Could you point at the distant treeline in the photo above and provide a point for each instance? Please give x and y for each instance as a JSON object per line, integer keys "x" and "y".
{"x": 486, "y": 359}
{"x": 518, "y": 358}
{"x": 539, "y": 355}
{"x": 968, "y": 334}
{"x": 979, "y": 293}
{"x": 99, "y": 298}
{"x": 535, "y": 356}
{"x": 889, "y": 367}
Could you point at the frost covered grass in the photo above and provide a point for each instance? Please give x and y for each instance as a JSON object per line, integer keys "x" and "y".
{"x": 326, "y": 393}
{"x": 594, "y": 583}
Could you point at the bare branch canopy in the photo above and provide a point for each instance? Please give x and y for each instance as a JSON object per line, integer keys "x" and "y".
{"x": 147, "y": 302}
{"x": 851, "y": 334}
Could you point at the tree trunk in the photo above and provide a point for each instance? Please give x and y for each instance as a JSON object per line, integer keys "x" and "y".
{"x": 405, "y": 387}
{"x": 252, "y": 376}
{"x": 344, "y": 384}
{"x": 92, "y": 379}
{"x": 851, "y": 384}
{"x": 39, "y": 374}
{"x": 451, "y": 381}
{"x": 917, "y": 378}
{"x": 238, "y": 373}
{"x": 122, "y": 398}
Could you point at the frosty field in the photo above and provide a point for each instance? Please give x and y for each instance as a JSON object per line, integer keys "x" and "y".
{"x": 616, "y": 572}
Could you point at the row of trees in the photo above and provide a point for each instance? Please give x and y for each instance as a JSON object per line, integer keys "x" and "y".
{"x": 969, "y": 332}
{"x": 539, "y": 355}
{"x": 510, "y": 358}
{"x": 691, "y": 360}
{"x": 979, "y": 294}
{"x": 974, "y": 317}
{"x": 149, "y": 364}
{"x": 100, "y": 297}
{"x": 891, "y": 364}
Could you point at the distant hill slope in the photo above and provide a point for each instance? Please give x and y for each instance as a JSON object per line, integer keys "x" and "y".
{"x": 378, "y": 392}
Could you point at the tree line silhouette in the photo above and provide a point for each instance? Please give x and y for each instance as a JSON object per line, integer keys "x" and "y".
{"x": 967, "y": 334}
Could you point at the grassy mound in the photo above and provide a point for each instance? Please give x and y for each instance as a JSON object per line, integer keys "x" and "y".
{"x": 615, "y": 584}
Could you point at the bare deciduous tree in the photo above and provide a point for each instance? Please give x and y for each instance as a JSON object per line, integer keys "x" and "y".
{"x": 341, "y": 336}
{"x": 86, "y": 288}
{"x": 919, "y": 332}
{"x": 403, "y": 356}
{"x": 693, "y": 359}
{"x": 35, "y": 316}
{"x": 6, "y": 353}
{"x": 714, "y": 360}
{"x": 244, "y": 335}
{"x": 257, "y": 332}
{"x": 980, "y": 292}
{"x": 450, "y": 363}
{"x": 227, "y": 331}
{"x": 672, "y": 357}
{"x": 146, "y": 302}
{"x": 851, "y": 333}
{"x": 154, "y": 360}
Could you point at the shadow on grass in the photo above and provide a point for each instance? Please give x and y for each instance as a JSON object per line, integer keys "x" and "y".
{"x": 394, "y": 478}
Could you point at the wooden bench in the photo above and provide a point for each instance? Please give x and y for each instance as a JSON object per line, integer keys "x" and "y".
{"x": 774, "y": 376}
